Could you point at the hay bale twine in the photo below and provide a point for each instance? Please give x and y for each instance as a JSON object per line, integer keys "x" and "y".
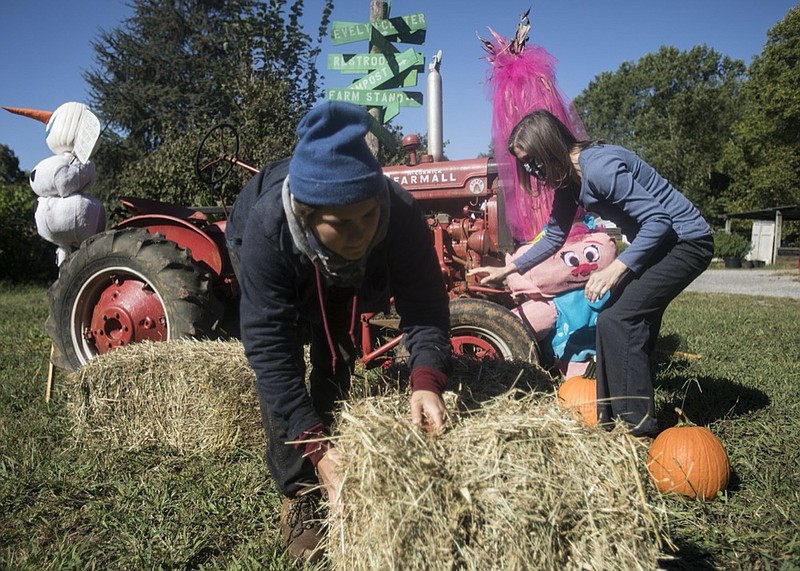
{"x": 190, "y": 395}
{"x": 516, "y": 484}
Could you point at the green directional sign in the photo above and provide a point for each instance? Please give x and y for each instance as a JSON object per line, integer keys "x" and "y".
{"x": 393, "y": 66}
{"x": 363, "y": 63}
{"x": 405, "y": 79}
{"x": 405, "y": 29}
{"x": 376, "y": 98}
{"x": 347, "y": 32}
{"x": 383, "y": 73}
{"x": 355, "y": 63}
{"x": 382, "y": 134}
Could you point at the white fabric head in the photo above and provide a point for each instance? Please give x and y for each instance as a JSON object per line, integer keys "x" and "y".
{"x": 73, "y": 128}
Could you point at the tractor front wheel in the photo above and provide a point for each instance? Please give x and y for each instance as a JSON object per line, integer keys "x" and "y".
{"x": 483, "y": 330}
{"x": 123, "y": 287}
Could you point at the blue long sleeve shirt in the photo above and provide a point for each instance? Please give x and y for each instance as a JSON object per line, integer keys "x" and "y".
{"x": 619, "y": 186}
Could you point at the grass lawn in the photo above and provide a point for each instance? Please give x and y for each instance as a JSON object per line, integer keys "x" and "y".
{"x": 731, "y": 362}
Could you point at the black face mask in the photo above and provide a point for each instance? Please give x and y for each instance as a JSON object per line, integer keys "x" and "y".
{"x": 534, "y": 168}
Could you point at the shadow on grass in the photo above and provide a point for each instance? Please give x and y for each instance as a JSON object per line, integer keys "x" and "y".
{"x": 704, "y": 399}
{"x": 688, "y": 557}
{"x": 477, "y": 382}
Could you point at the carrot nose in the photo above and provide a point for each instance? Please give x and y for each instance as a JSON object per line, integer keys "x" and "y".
{"x": 43, "y": 116}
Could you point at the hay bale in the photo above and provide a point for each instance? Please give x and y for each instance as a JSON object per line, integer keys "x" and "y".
{"x": 515, "y": 484}
{"x": 193, "y": 396}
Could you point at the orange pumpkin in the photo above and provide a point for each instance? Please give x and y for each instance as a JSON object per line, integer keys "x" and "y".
{"x": 580, "y": 394}
{"x": 689, "y": 460}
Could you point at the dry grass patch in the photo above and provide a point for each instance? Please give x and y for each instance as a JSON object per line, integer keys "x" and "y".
{"x": 514, "y": 484}
{"x": 193, "y": 396}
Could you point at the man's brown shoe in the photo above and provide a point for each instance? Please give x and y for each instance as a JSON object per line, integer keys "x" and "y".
{"x": 301, "y": 527}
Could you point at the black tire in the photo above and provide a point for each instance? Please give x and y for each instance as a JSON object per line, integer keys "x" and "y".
{"x": 480, "y": 329}
{"x": 126, "y": 286}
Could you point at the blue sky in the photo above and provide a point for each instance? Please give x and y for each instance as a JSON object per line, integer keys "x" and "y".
{"x": 45, "y": 46}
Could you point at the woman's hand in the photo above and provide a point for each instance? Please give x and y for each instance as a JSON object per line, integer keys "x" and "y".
{"x": 428, "y": 410}
{"x": 605, "y": 280}
{"x": 493, "y": 274}
{"x": 328, "y": 469}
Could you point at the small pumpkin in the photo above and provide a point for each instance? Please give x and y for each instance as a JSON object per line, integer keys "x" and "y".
{"x": 690, "y": 460}
{"x": 579, "y": 393}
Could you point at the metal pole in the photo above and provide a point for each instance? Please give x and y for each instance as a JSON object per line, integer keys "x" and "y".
{"x": 435, "y": 139}
{"x": 777, "y": 236}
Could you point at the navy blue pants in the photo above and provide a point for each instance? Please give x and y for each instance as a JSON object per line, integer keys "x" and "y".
{"x": 290, "y": 470}
{"x": 628, "y": 327}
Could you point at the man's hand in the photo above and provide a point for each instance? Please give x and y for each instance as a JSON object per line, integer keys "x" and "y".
{"x": 328, "y": 469}
{"x": 428, "y": 410}
{"x": 605, "y": 280}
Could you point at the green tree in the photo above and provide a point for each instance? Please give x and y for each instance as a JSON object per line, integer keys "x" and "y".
{"x": 173, "y": 69}
{"x": 763, "y": 155}
{"x": 24, "y": 255}
{"x": 9, "y": 166}
{"x": 675, "y": 109}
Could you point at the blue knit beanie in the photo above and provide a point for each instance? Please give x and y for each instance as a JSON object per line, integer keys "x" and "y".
{"x": 332, "y": 164}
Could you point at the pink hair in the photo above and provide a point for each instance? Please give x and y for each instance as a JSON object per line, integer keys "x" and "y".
{"x": 580, "y": 230}
{"x": 520, "y": 82}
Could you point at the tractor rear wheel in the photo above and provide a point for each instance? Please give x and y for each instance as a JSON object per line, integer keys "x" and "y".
{"x": 480, "y": 330}
{"x": 126, "y": 286}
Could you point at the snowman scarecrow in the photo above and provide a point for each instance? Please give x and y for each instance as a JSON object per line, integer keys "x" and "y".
{"x": 65, "y": 215}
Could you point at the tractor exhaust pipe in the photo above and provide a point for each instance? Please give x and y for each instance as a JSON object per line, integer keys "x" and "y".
{"x": 435, "y": 142}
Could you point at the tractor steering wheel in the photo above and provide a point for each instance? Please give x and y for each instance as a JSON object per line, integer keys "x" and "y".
{"x": 217, "y": 154}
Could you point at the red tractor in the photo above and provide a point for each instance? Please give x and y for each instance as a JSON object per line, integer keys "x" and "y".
{"x": 164, "y": 272}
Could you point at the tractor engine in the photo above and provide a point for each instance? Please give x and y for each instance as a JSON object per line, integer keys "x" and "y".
{"x": 464, "y": 209}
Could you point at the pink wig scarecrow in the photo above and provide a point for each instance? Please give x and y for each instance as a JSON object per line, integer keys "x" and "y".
{"x": 521, "y": 79}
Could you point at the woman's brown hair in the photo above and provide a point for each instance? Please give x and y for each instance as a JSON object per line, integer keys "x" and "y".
{"x": 546, "y": 140}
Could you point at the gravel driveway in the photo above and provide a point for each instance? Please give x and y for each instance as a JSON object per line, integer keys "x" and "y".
{"x": 772, "y": 283}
